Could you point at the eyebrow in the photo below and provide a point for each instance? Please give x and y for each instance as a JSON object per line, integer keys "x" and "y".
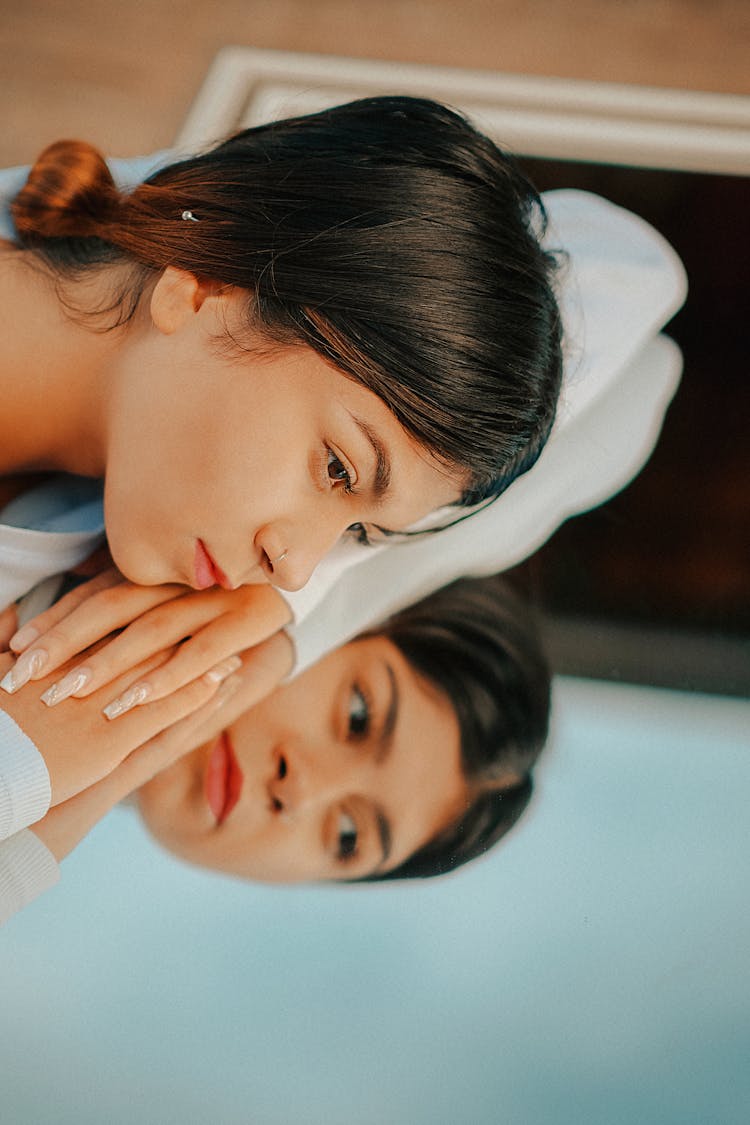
{"x": 385, "y": 738}
{"x": 385, "y": 742}
{"x": 382, "y": 461}
{"x": 384, "y": 833}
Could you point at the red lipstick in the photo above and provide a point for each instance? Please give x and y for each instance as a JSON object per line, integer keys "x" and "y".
{"x": 207, "y": 573}
{"x": 223, "y": 781}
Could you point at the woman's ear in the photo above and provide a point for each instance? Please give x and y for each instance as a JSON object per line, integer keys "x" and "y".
{"x": 177, "y": 297}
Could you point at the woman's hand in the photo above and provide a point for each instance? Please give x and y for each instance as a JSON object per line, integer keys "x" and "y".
{"x": 67, "y": 823}
{"x": 81, "y": 747}
{"x": 208, "y": 626}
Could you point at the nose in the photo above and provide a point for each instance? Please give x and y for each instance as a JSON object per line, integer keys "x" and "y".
{"x": 290, "y": 552}
{"x": 314, "y": 778}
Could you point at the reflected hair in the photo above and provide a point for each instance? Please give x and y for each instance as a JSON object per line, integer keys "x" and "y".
{"x": 388, "y": 234}
{"x": 476, "y": 642}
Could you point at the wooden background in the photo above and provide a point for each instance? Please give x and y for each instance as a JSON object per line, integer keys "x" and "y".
{"x": 123, "y": 74}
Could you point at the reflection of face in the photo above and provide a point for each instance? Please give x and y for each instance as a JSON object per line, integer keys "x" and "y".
{"x": 347, "y": 770}
{"x": 253, "y": 455}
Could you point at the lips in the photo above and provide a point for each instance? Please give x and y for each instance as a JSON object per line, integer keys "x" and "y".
{"x": 223, "y": 780}
{"x": 207, "y": 573}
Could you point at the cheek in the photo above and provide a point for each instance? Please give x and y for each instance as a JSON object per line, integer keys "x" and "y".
{"x": 170, "y": 803}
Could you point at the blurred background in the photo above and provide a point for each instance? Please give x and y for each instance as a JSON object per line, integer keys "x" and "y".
{"x": 595, "y": 968}
{"x": 123, "y": 75}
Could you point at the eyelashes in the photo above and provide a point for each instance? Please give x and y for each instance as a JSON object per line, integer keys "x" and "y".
{"x": 347, "y": 836}
{"x": 360, "y": 713}
{"x": 359, "y": 722}
{"x": 337, "y": 472}
{"x": 338, "y": 475}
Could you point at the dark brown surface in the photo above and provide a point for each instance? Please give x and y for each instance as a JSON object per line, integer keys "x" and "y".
{"x": 669, "y": 557}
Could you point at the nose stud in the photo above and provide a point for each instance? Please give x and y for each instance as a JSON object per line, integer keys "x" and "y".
{"x": 281, "y": 558}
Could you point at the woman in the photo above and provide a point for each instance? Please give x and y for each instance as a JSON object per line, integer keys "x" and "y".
{"x": 404, "y": 753}
{"x": 258, "y": 350}
{"x": 166, "y": 347}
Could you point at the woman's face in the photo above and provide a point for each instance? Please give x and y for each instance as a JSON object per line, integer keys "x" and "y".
{"x": 344, "y": 772}
{"x": 219, "y": 461}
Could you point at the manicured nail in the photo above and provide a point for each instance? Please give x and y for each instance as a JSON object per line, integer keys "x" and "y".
{"x": 66, "y": 687}
{"x": 129, "y": 699}
{"x": 220, "y": 672}
{"x": 23, "y": 638}
{"x": 227, "y": 689}
{"x": 27, "y": 665}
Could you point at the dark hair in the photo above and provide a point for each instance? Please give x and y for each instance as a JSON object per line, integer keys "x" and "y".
{"x": 476, "y": 642}
{"x": 387, "y": 234}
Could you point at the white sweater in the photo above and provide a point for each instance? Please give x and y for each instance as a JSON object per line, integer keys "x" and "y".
{"x": 42, "y": 533}
{"x": 621, "y": 285}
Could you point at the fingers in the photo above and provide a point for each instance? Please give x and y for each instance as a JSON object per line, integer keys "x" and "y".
{"x": 68, "y": 823}
{"x": 216, "y": 641}
{"x": 164, "y": 749}
{"x": 44, "y": 621}
{"x": 167, "y": 624}
{"x": 140, "y": 723}
{"x": 82, "y": 617}
{"x": 253, "y": 676}
{"x": 217, "y": 623}
{"x": 79, "y": 744}
{"x": 257, "y": 674}
{"x": 263, "y": 669}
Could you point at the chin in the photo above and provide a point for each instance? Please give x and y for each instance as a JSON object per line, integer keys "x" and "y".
{"x": 136, "y": 566}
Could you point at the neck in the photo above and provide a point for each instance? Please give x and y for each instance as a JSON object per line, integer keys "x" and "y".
{"x": 53, "y": 376}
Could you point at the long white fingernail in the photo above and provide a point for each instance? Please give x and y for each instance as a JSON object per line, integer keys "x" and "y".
{"x": 66, "y": 687}
{"x": 23, "y": 638}
{"x": 129, "y": 699}
{"x": 220, "y": 671}
{"x": 27, "y": 665}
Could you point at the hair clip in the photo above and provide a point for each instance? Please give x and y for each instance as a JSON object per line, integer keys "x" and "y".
{"x": 189, "y": 215}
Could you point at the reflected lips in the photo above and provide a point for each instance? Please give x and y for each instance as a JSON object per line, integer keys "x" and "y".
{"x": 223, "y": 781}
{"x": 207, "y": 573}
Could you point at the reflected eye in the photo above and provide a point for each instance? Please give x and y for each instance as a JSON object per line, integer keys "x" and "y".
{"x": 359, "y": 713}
{"x": 347, "y": 836}
{"x": 338, "y": 472}
{"x": 358, "y": 532}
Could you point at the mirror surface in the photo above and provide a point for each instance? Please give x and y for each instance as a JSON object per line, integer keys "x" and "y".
{"x": 593, "y": 969}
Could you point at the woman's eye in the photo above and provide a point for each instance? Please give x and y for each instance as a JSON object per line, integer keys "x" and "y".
{"x": 337, "y": 471}
{"x": 347, "y": 836}
{"x": 359, "y": 713}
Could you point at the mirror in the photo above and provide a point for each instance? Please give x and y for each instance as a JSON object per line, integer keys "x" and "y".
{"x": 592, "y": 969}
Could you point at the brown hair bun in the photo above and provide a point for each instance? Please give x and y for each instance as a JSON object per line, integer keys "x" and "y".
{"x": 70, "y": 193}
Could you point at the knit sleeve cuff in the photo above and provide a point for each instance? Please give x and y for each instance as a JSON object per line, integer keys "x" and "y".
{"x": 25, "y": 791}
{"x": 27, "y": 869}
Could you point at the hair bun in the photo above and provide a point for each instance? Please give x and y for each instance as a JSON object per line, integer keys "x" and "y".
{"x": 70, "y": 193}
